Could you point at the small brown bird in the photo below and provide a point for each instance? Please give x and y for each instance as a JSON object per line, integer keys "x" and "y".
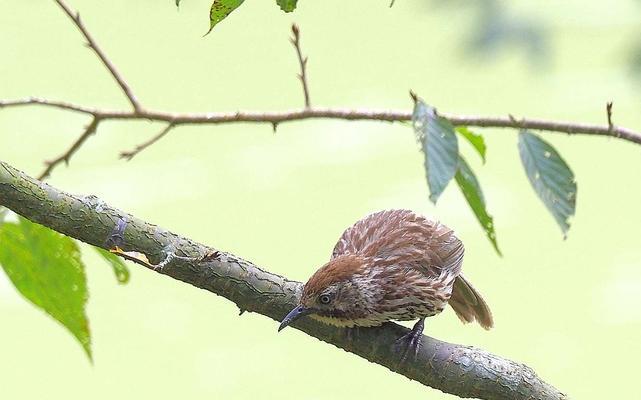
{"x": 392, "y": 265}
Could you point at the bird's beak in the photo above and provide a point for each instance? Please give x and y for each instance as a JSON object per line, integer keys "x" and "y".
{"x": 293, "y": 315}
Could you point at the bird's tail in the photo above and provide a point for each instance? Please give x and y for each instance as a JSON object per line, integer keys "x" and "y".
{"x": 468, "y": 304}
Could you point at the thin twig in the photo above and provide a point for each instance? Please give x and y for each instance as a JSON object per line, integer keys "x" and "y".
{"x": 277, "y": 117}
{"x": 608, "y": 110}
{"x": 364, "y": 114}
{"x": 128, "y": 155}
{"x": 47, "y": 103}
{"x": 93, "y": 45}
{"x": 303, "y": 63}
{"x": 66, "y": 156}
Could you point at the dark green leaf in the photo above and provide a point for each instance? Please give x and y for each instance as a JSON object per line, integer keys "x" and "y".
{"x": 45, "y": 267}
{"x": 439, "y": 145}
{"x": 472, "y": 192}
{"x": 177, "y": 3}
{"x": 476, "y": 140}
{"x": 220, "y": 9}
{"x": 120, "y": 269}
{"x": 551, "y": 178}
{"x": 287, "y": 5}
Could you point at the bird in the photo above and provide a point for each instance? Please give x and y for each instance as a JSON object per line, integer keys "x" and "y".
{"x": 392, "y": 265}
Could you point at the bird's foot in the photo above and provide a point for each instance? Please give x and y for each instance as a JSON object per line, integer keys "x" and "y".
{"x": 411, "y": 341}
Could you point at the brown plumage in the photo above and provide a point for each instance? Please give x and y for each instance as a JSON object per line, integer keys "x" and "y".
{"x": 392, "y": 265}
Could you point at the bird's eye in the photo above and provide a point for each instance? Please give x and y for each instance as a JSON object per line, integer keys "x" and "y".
{"x": 324, "y": 299}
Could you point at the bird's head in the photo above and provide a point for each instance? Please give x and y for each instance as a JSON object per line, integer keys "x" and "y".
{"x": 338, "y": 293}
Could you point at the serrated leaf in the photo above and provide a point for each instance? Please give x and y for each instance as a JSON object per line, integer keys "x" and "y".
{"x": 440, "y": 147}
{"x": 46, "y": 269}
{"x": 472, "y": 192}
{"x": 120, "y": 269}
{"x": 287, "y": 5}
{"x": 476, "y": 140}
{"x": 550, "y": 176}
{"x": 220, "y": 9}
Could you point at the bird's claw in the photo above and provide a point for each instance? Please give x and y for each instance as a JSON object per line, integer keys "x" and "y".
{"x": 411, "y": 341}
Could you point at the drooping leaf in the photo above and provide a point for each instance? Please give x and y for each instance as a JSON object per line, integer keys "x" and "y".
{"x": 476, "y": 140}
{"x": 287, "y": 5}
{"x": 472, "y": 192}
{"x": 550, "y": 176}
{"x": 45, "y": 267}
{"x": 220, "y": 9}
{"x": 440, "y": 147}
{"x": 120, "y": 269}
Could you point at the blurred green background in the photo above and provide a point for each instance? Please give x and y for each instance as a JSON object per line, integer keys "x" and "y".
{"x": 569, "y": 309}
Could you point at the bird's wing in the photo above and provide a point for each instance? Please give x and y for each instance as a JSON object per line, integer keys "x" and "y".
{"x": 403, "y": 237}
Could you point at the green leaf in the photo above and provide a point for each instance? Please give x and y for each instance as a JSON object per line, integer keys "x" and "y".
{"x": 120, "y": 269}
{"x": 439, "y": 145}
{"x": 177, "y": 3}
{"x": 551, "y": 178}
{"x": 287, "y": 5}
{"x": 220, "y": 9}
{"x": 472, "y": 192}
{"x": 45, "y": 267}
{"x": 476, "y": 140}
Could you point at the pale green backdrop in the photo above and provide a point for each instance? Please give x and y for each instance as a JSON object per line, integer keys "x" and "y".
{"x": 570, "y": 309}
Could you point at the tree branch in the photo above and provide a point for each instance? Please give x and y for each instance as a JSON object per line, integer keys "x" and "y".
{"x": 302, "y": 61}
{"x": 128, "y": 155}
{"x": 64, "y": 157}
{"x": 277, "y": 117}
{"x": 460, "y": 370}
{"x": 364, "y": 114}
{"x": 48, "y": 103}
{"x": 93, "y": 45}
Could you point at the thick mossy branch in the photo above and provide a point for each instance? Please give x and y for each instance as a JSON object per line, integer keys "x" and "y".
{"x": 460, "y": 370}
